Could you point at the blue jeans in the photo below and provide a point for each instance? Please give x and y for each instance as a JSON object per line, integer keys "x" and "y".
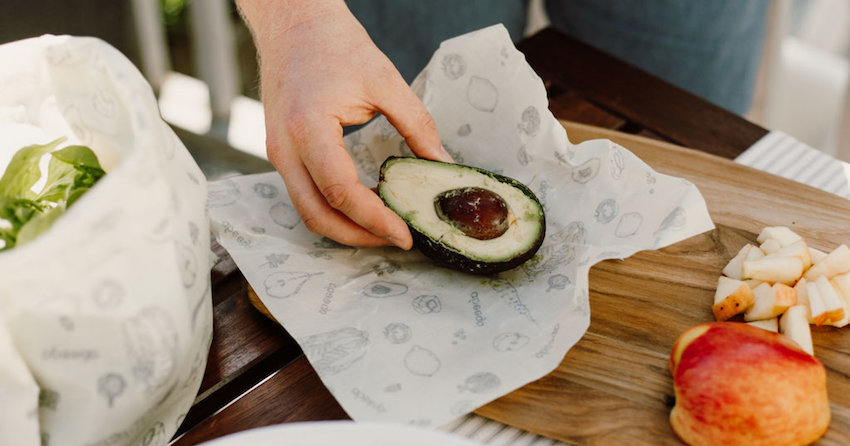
{"x": 711, "y": 48}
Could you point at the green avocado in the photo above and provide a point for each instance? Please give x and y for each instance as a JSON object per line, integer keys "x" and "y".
{"x": 463, "y": 217}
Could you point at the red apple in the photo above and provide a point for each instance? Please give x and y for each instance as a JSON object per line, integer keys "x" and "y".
{"x": 737, "y": 384}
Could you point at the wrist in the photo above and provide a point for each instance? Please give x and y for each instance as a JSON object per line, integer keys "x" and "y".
{"x": 269, "y": 20}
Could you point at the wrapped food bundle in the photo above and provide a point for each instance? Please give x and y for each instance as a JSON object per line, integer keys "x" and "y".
{"x": 105, "y": 310}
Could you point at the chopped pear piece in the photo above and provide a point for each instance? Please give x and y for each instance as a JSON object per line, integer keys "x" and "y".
{"x": 785, "y": 270}
{"x": 732, "y": 297}
{"x": 817, "y": 255}
{"x": 794, "y": 325}
{"x": 837, "y": 262}
{"x": 753, "y": 283}
{"x": 770, "y": 246}
{"x": 816, "y": 304}
{"x": 834, "y": 305}
{"x": 798, "y": 249}
{"x": 803, "y": 298}
{"x": 733, "y": 268}
{"x": 841, "y": 285}
{"x": 767, "y": 324}
{"x": 754, "y": 254}
{"x": 781, "y": 234}
{"x": 770, "y": 301}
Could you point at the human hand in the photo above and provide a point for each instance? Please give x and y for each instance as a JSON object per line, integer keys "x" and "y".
{"x": 321, "y": 71}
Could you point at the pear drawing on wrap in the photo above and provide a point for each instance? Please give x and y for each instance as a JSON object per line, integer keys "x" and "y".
{"x": 284, "y": 284}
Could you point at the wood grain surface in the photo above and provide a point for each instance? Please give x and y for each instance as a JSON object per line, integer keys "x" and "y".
{"x": 614, "y": 387}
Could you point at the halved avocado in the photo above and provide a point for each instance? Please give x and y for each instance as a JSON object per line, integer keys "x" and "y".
{"x": 463, "y": 217}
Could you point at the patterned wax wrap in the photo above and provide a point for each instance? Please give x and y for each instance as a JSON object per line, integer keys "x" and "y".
{"x": 396, "y": 338}
{"x": 105, "y": 319}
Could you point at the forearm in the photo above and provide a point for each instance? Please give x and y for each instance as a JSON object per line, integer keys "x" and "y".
{"x": 269, "y": 20}
{"x": 319, "y": 72}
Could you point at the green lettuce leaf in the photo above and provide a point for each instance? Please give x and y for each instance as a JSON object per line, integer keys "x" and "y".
{"x": 24, "y": 214}
{"x": 37, "y": 225}
{"x": 23, "y": 171}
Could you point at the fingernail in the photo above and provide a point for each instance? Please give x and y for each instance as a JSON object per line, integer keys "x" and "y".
{"x": 398, "y": 243}
{"x": 445, "y": 155}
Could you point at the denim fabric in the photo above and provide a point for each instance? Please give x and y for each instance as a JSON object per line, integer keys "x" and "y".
{"x": 709, "y": 47}
{"x": 409, "y": 31}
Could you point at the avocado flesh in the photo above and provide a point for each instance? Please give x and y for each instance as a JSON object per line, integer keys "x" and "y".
{"x": 409, "y": 187}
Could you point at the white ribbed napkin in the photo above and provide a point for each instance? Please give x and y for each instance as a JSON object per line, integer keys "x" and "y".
{"x": 782, "y": 155}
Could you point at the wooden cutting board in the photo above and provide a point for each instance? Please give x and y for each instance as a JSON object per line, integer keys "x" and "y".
{"x": 613, "y": 387}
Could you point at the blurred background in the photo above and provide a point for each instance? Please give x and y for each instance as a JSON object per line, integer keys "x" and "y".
{"x": 201, "y": 62}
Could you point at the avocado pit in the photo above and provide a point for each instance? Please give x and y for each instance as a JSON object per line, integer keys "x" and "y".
{"x": 477, "y": 212}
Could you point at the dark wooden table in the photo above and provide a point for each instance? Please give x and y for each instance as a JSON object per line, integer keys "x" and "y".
{"x": 257, "y": 375}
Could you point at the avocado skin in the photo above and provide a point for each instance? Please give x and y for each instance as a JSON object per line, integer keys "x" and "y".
{"x": 450, "y": 258}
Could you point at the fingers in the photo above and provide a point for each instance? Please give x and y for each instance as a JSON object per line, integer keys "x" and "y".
{"x": 334, "y": 203}
{"x": 319, "y": 217}
{"x": 409, "y": 116}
